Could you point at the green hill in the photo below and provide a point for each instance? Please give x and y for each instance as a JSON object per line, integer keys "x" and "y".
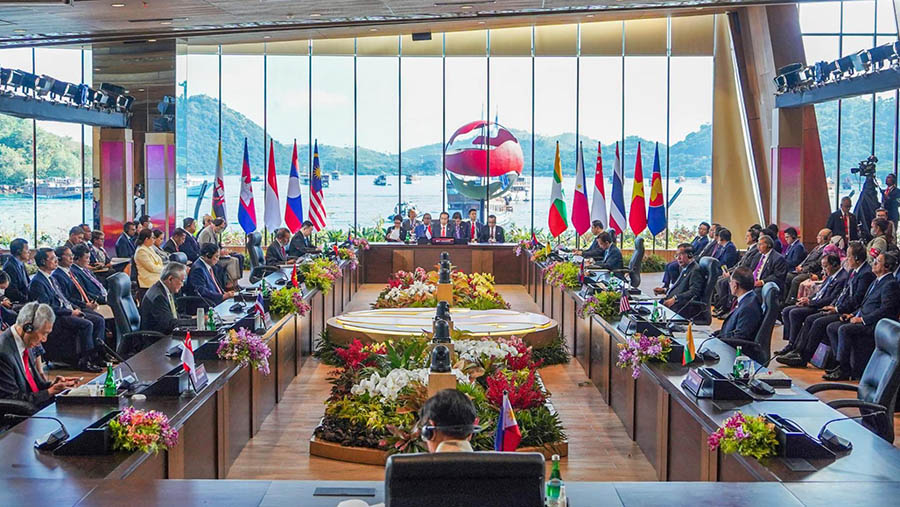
{"x": 57, "y": 155}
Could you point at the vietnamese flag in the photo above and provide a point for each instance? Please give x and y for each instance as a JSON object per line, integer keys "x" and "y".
{"x": 637, "y": 217}
{"x": 558, "y": 220}
{"x": 294, "y": 281}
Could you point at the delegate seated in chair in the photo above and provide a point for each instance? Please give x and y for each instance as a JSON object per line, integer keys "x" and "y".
{"x": 158, "y": 312}
{"x": 201, "y": 281}
{"x": 612, "y": 256}
{"x": 744, "y": 320}
{"x": 684, "y": 297}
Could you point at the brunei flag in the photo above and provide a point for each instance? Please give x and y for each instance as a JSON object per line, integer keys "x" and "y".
{"x": 656, "y": 216}
{"x": 689, "y": 352}
{"x": 637, "y": 217}
{"x": 558, "y": 220}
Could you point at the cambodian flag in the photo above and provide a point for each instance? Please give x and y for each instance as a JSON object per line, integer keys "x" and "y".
{"x": 508, "y": 436}
{"x": 293, "y": 212}
{"x": 247, "y": 210}
{"x": 581, "y": 214}
{"x": 656, "y": 215}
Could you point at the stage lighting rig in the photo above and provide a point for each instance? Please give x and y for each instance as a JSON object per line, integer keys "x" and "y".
{"x": 860, "y": 61}
{"x": 882, "y": 56}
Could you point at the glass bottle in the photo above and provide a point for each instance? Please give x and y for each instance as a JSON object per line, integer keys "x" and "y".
{"x": 655, "y": 315}
{"x": 741, "y": 364}
{"x": 109, "y": 386}
{"x": 211, "y": 320}
{"x": 554, "y": 484}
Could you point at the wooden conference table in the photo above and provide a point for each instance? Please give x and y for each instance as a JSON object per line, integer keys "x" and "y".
{"x": 214, "y": 425}
{"x": 382, "y": 259}
{"x": 671, "y": 425}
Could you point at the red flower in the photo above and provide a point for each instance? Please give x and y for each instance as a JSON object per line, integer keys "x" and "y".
{"x": 354, "y": 357}
{"x": 524, "y": 396}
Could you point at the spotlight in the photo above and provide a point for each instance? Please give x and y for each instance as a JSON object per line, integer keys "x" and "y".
{"x": 860, "y": 61}
{"x": 882, "y": 55}
{"x": 166, "y": 105}
{"x": 822, "y": 71}
{"x": 789, "y": 77}
{"x": 124, "y": 102}
{"x": 60, "y": 89}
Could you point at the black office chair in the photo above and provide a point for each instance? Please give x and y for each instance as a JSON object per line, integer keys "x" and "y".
{"x": 760, "y": 348}
{"x": 635, "y": 264}
{"x": 126, "y": 316}
{"x": 465, "y": 478}
{"x": 880, "y": 382}
{"x": 178, "y": 257}
{"x": 258, "y": 268}
{"x": 14, "y": 408}
{"x": 711, "y": 268}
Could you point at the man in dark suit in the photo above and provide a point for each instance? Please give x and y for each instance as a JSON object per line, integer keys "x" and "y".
{"x": 473, "y": 226}
{"x": 125, "y": 246}
{"x": 673, "y": 269}
{"x": 396, "y": 234}
{"x": 7, "y": 314}
{"x": 853, "y": 337}
{"x": 158, "y": 312}
{"x": 174, "y": 243}
{"x": 302, "y": 244}
{"x": 687, "y": 289}
{"x": 276, "y": 253}
{"x": 793, "y": 316}
{"x": 795, "y": 252}
{"x": 20, "y": 379}
{"x": 445, "y": 229}
{"x": 191, "y": 247}
{"x": 424, "y": 231}
{"x": 76, "y": 237}
{"x": 770, "y": 265}
{"x": 77, "y": 295}
{"x": 460, "y": 233}
{"x": 71, "y": 323}
{"x": 711, "y": 244}
{"x": 810, "y": 266}
{"x": 612, "y": 256}
{"x": 814, "y": 329}
{"x": 15, "y": 268}
{"x": 724, "y": 250}
{"x": 744, "y": 320}
{"x": 411, "y": 222}
{"x": 594, "y": 251}
{"x": 890, "y": 198}
{"x": 492, "y": 233}
{"x": 81, "y": 268}
{"x": 201, "y": 281}
{"x": 724, "y": 298}
{"x": 842, "y": 220}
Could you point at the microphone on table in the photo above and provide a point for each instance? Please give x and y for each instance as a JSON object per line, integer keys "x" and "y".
{"x": 836, "y": 443}
{"x": 51, "y": 440}
{"x": 130, "y": 382}
{"x": 707, "y": 355}
{"x": 758, "y": 386}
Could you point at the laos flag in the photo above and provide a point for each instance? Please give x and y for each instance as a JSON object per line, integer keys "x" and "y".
{"x": 293, "y": 212}
{"x": 247, "y": 210}
{"x": 508, "y": 435}
{"x": 656, "y": 216}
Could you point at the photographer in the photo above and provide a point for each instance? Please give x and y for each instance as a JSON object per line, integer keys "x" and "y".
{"x": 890, "y": 198}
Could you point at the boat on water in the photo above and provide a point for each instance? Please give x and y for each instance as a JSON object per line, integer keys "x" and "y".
{"x": 57, "y": 188}
{"x": 335, "y": 176}
{"x": 704, "y": 178}
{"x": 381, "y": 180}
{"x": 326, "y": 181}
{"x": 411, "y": 178}
{"x": 256, "y": 178}
{"x": 680, "y": 179}
{"x": 519, "y": 190}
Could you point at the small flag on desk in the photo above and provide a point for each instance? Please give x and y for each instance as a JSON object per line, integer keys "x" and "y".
{"x": 508, "y": 435}
{"x": 581, "y": 273}
{"x": 187, "y": 354}
{"x": 534, "y": 241}
{"x": 624, "y": 305}
{"x": 259, "y": 307}
{"x": 689, "y": 352}
{"x": 335, "y": 249}
{"x": 294, "y": 281}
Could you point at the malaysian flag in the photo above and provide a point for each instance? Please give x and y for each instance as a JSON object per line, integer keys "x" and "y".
{"x": 317, "y": 197}
{"x": 624, "y": 306}
{"x": 259, "y": 308}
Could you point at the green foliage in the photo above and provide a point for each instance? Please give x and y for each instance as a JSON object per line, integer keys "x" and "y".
{"x": 325, "y": 350}
{"x": 409, "y": 353}
{"x": 563, "y": 275}
{"x": 604, "y": 303}
{"x": 375, "y": 414}
{"x": 320, "y": 274}
{"x": 652, "y": 263}
{"x": 57, "y": 156}
{"x": 540, "y": 427}
{"x": 281, "y": 302}
{"x": 557, "y": 352}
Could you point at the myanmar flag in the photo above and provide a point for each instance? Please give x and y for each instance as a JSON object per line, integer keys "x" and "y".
{"x": 558, "y": 220}
{"x": 638, "y": 216}
{"x": 689, "y": 352}
{"x": 656, "y": 216}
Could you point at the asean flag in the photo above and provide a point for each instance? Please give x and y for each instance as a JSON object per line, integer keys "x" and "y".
{"x": 656, "y": 216}
{"x": 293, "y": 212}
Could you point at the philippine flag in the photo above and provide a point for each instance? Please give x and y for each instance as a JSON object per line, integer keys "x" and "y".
{"x": 581, "y": 215}
{"x": 273, "y": 202}
{"x": 247, "y": 210}
{"x": 508, "y": 436}
{"x": 293, "y": 212}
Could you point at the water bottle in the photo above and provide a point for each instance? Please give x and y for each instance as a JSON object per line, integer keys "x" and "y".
{"x": 655, "y": 315}
{"x": 742, "y": 364}
{"x": 109, "y": 386}
{"x": 211, "y": 320}
{"x": 201, "y": 319}
{"x": 555, "y": 485}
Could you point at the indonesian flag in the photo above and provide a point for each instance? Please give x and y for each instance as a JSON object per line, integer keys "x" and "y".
{"x": 581, "y": 216}
{"x": 273, "y": 203}
{"x": 247, "y": 210}
{"x": 637, "y": 215}
{"x": 293, "y": 212}
{"x": 187, "y": 354}
{"x": 598, "y": 205}
{"x": 617, "y": 209}
{"x": 508, "y": 435}
{"x": 558, "y": 220}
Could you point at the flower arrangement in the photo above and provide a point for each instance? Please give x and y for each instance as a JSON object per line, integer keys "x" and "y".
{"x": 604, "y": 303}
{"x": 524, "y": 245}
{"x": 245, "y": 347}
{"x": 639, "y": 348}
{"x": 419, "y": 294}
{"x": 288, "y": 300}
{"x": 361, "y": 243}
{"x": 564, "y": 275}
{"x": 416, "y": 289}
{"x": 349, "y": 255}
{"x": 542, "y": 254}
{"x": 378, "y": 391}
{"x": 142, "y": 430}
{"x": 403, "y": 279}
{"x": 748, "y": 435}
{"x": 320, "y": 274}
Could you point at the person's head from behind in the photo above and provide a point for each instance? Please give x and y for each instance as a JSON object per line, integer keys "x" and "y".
{"x": 448, "y": 415}
{"x": 307, "y": 228}
{"x": 741, "y": 281}
{"x": 34, "y": 323}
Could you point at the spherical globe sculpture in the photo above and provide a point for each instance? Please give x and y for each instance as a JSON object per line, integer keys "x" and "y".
{"x": 468, "y": 152}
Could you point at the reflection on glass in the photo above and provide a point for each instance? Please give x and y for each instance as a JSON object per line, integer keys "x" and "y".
{"x": 378, "y": 183}
{"x": 466, "y": 96}
{"x": 199, "y": 134}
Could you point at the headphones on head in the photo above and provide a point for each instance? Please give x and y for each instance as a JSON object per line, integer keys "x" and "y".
{"x": 29, "y": 326}
{"x": 428, "y": 430}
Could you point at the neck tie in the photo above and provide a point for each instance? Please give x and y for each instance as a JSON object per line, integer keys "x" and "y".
{"x": 59, "y": 295}
{"x": 759, "y": 265}
{"x": 734, "y": 304}
{"x": 172, "y": 304}
{"x": 28, "y": 376}
{"x": 457, "y": 232}
{"x": 84, "y": 296}
{"x": 847, "y": 225}
{"x": 443, "y": 231}
{"x": 213, "y": 276}
{"x": 473, "y": 229}
{"x": 283, "y": 253}
{"x": 715, "y": 249}
{"x": 96, "y": 282}
{"x": 429, "y": 231}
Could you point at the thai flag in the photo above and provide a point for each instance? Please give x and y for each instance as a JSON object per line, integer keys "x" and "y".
{"x": 317, "y": 213}
{"x": 259, "y": 308}
{"x": 624, "y": 305}
{"x": 508, "y": 436}
{"x": 247, "y": 210}
{"x": 187, "y": 354}
{"x": 617, "y": 210}
{"x": 293, "y": 212}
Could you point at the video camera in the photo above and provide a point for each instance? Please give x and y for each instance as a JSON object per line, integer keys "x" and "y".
{"x": 866, "y": 167}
